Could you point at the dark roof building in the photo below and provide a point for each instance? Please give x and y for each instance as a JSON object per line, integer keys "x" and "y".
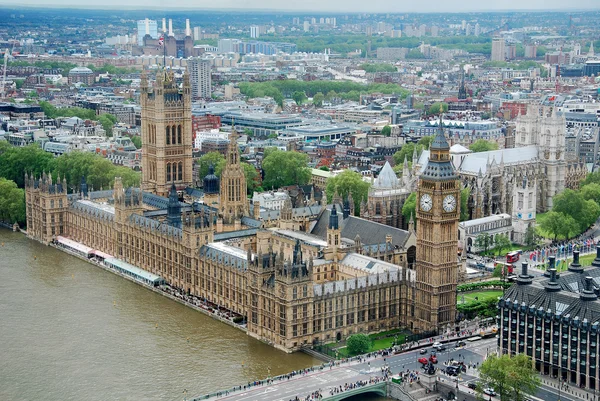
{"x": 555, "y": 320}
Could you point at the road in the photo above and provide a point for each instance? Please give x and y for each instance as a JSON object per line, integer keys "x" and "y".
{"x": 303, "y": 385}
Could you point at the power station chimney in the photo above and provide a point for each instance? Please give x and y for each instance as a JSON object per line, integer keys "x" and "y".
{"x": 164, "y": 29}
{"x": 188, "y": 31}
{"x": 170, "y": 27}
{"x": 147, "y": 26}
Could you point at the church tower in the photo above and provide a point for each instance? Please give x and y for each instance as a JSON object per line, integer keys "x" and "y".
{"x": 166, "y": 133}
{"x": 552, "y": 154}
{"x": 438, "y": 213}
{"x": 234, "y": 202}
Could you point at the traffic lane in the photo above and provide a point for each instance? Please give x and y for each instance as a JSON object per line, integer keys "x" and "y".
{"x": 304, "y": 385}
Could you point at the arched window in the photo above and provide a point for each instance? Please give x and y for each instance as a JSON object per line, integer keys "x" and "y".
{"x": 168, "y": 135}
{"x": 180, "y": 171}
{"x": 179, "y": 134}
{"x": 168, "y": 172}
{"x": 173, "y": 137}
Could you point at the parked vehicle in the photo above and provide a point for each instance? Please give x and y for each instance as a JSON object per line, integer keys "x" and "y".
{"x": 489, "y": 391}
{"x": 472, "y": 385}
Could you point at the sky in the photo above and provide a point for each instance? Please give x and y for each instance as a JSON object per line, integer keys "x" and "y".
{"x": 337, "y": 6}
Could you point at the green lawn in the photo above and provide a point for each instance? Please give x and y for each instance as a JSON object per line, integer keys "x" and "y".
{"x": 379, "y": 344}
{"x": 585, "y": 261}
{"x": 481, "y": 295}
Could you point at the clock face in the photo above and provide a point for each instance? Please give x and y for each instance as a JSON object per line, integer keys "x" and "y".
{"x": 426, "y": 202}
{"x": 449, "y": 203}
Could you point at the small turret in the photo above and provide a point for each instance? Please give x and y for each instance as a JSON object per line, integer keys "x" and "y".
{"x": 174, "y": 208}
{"x": 333, "y": 219}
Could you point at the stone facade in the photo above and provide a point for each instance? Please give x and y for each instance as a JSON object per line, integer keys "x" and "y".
{"x": 438, "y": 213}
{"x": 166, "y": 134}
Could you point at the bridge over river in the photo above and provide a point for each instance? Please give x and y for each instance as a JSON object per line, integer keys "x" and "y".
{"x": 326, "y": 378}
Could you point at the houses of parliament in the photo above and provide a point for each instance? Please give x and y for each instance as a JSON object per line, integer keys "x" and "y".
{"x": 298, "y": 282}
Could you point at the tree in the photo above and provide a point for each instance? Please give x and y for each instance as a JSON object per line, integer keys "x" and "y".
{"x": 252, "y": 177}
{"x": 483, "y": 241}
{"x": 426, "y": 141}
{"x": 214, "y": 158}
{"x": 248, "y": 132}
{"x": 434, "y": 109}
{"x": 502, "y": 242}
{"x": 358, "y": 344}
{"x": 406, "y": 152}
{"x": 108, "y": 121}
{"x": 285, "y": 168}
{"x": 531, "y": 237}
{"x": 592, "y": 178}
{"x": 481, "y": 145}
{"x": 591, "y": 191}
{"x": 137, "y": 141}
{"x": 12, "y": 202}
{"x": 348, "y": 182}
{"x": 464, "y": 204}
{"x": 330, "y": 95}
{"x": 386, "y": 131}
{"x": 559, "y": 224}
{"x": 15, "y": 161}
{"x": 572, "y": 203}
{"x": 410, "y": 206}
{"x": 318, "y": 99}
{"x": 299, "y": 97}
{"x": 512, "y": 377}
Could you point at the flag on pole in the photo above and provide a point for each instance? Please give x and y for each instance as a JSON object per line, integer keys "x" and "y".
{"x": 161, "y": 40}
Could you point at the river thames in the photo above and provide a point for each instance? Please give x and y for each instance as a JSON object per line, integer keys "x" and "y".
{"x": 72, "y": 331}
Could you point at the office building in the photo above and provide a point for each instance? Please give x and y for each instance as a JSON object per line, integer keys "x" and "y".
{"x": 254, "y": 32}
{"x": 553, "y": 319}
{"x": 200, "y": 78}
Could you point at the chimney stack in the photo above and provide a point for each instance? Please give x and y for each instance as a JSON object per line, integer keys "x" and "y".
{"x": 524, "y": 269}
{"x": 164, "y": 25}
{"x": 188, "y": 31}
{"x": 170, "y": 27}
{"x": 147, "y": 26}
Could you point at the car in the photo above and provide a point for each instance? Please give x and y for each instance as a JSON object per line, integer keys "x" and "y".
{"x": 424, "y": 361}
{"x": 423, "y": 351}
{"x": 461, "y": 344}
{"x": 433, "y": 359}
{"x": 489, "y": 391}
{"x": 472, "y": 385}
{"x": 437, "y": 344}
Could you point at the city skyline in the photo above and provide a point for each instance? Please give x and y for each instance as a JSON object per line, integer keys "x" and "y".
{"x": 352, "y": 6}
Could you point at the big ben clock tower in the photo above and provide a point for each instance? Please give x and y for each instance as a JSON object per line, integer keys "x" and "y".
{"x": 438, "y": 213}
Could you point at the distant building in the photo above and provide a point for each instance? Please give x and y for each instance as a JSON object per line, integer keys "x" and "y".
{"x": 498, "y": 49}
{"x": 81, "y": 74}
{"x": 200, "y": 78}
{"x": 146, "y": 27}
{"x": 530, "y": 51}
{"x": 254, "y": 32}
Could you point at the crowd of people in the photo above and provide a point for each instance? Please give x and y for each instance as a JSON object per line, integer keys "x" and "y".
{"x": 200, "y": 302}
{"x": 357, "y": 384}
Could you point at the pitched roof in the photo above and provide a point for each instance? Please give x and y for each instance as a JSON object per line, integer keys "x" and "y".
{"x": 386, "y": 178}
{"x": 370, "y": 232}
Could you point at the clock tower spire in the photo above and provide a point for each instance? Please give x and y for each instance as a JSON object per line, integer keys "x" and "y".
{"x": 438, "y": 213}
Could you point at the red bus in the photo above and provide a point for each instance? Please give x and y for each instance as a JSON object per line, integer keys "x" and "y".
{"x": 507, "y": 268}
{"x": 512, "y": 257}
